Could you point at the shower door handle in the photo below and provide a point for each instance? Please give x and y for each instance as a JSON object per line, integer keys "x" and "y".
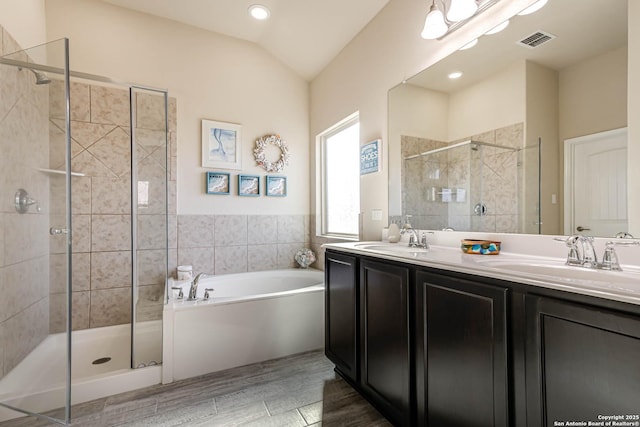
{"x": 57, "y": 231}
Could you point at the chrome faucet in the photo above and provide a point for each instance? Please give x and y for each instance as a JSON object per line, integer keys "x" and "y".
{"x": 581, "y": 251}
{"x": 193, "y": 290}
{"x": 414, "y": 239}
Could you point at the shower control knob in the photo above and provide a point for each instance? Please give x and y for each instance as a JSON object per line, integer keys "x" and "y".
{"x": 57, "y": 231}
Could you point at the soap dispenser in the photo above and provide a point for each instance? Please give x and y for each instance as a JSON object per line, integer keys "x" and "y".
{"x": 394, "y": 233}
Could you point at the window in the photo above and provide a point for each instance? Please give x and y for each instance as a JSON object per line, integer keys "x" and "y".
{"x": 339, "y": 193}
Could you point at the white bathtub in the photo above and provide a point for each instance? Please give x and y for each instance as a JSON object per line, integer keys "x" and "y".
{"x": 37, "y": 384}
{"x": 249, "y": 318}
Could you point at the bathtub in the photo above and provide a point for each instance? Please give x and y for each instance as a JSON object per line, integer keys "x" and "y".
{"x": 37, "y": 384}
{"x": 249, "y": 318}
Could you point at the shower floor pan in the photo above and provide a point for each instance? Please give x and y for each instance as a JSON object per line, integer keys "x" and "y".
{"x": 37, "y": 384}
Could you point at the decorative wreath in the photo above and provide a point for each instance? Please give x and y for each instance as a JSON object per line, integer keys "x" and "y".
{"x": 268, "y": 165}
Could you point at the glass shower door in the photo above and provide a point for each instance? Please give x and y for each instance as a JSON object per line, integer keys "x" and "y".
{"x": 149, "y": 148}
{"x": 35, "y": 242}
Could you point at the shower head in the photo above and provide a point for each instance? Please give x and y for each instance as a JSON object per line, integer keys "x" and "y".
{"x": 41, "y": 78}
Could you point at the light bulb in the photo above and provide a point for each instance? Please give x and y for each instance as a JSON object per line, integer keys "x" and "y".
{"x": 455, "y": 75}
{"x": 498, "y": 28}
{"x": 533, "y": 8}
{"x": 434, "y": 25}
{"x": 459, "y": 10}
{"x": 259, "y": 12}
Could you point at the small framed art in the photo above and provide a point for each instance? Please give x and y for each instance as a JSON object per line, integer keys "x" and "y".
{"x": 217, "y": 183}
{"x": 248, "y": 185}
{"x": 221, "y": 145}
{"x": 276, "y": 186}
{"x": 370, "y": 156}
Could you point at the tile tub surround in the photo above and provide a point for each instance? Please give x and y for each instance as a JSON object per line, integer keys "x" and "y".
{"x": 101, "y": 204}
{"x": 225, "y": 244}
{"x": 24, "y": 255}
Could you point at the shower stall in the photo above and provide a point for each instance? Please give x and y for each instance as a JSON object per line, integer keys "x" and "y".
{"x": 471, "y": 186}
{"x": 86, "y": 189}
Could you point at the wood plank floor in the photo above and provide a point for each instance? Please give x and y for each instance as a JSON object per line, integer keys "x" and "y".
{"x": 300, "y": 390}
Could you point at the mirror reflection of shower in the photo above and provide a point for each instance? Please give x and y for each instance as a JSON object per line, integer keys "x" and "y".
{"x": 41, "y": 78}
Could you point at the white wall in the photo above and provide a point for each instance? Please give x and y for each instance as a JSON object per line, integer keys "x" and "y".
{"x": 633, "y": 113}
{"x": 213, "y": 77}
{"x": 24, "y": 20}
{"x": 542, "y": 122}
{"x": 495, "y": 102}
{"x": 593, "y": 95}
{"x": 415, "y": 112}
{"x": 388, "y": 50}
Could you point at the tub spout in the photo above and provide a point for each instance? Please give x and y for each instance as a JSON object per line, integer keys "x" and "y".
{"x": 193, "y": 291}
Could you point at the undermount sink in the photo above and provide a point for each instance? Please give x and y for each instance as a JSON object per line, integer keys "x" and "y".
{"x": 566, "y": 272}
{"x": 396, "y": 248}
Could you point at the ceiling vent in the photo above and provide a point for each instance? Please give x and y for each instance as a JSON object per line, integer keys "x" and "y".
{"x": 536, "y": 39}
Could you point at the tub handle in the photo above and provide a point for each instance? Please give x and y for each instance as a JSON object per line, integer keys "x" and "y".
{"x": 206, "y": 292}
{"x": 180, "y": 294}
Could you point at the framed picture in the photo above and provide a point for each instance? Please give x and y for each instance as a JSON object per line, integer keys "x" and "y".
{"x": 221, "y": 145}
{"x": 248, "y": 185}
{"x": 276, "y": 186}
{"x": 217, "y": 183}
{"x": 370, "y": 155}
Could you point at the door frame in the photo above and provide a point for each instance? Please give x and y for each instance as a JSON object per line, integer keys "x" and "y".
{"x": 569, "y": 158}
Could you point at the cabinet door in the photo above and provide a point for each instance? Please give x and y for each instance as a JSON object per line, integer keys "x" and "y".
{"x": 341, "y": 313}
{"x": 461, "y": 353}
{"x": 582, "y": 363}
{"x": 385, "y": 358}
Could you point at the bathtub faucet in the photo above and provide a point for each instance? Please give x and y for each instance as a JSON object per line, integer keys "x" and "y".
{"x": 193, "y": 291}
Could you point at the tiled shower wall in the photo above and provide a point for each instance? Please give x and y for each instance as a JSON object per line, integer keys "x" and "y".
{"x": 494, "y": 179}
{"x": 101, "y": 204}
{"x": 24, "y": 238}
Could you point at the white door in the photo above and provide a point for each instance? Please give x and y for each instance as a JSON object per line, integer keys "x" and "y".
{"x": 596, "y": 184}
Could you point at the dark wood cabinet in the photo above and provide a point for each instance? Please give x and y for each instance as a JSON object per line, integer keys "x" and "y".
{"x": 461, "y": 352}
{"x": 385, "y": 375}
{"x": 582, "y": 362}
{"x": 341, "y": 313}
{"x": 431, "y": 347}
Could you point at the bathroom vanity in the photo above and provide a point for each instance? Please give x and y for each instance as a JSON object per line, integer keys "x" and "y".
{"x": 442, "y": 338}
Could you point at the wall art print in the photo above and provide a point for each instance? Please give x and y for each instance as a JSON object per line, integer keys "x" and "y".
{"x": 221, "y": 145}
{"x": 276, "y": 186}
{"x": 217, "y": 183}
{"x": 248, "y": 185}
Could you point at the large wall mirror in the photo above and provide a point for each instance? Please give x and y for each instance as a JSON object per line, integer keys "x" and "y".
{"x": 531, "y": 138}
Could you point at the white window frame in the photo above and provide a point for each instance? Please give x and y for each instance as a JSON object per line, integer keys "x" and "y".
{"x": 321, "y": 174}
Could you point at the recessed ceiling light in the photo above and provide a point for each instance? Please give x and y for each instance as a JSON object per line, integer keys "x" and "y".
{"x": 533, "y": 8}
{"x": 469, "y": 45}
{"x": 455, "y": 75}
{"x": 259, "y": 12}
{"x": 498, "y": 28}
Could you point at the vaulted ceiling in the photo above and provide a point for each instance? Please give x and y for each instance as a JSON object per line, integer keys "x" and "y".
{"x": 304, "y": 34}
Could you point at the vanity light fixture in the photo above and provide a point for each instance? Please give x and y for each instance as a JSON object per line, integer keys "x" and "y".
{"x": 458, "y": 12}
{"x": 469, "y": 45}
{"x": 498, "y": 28}
{"x": 434, "y": 25}
{"x": 259, "y": 12}
{"x": 533, "y": 8}
{"x": 455, "y": 75}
